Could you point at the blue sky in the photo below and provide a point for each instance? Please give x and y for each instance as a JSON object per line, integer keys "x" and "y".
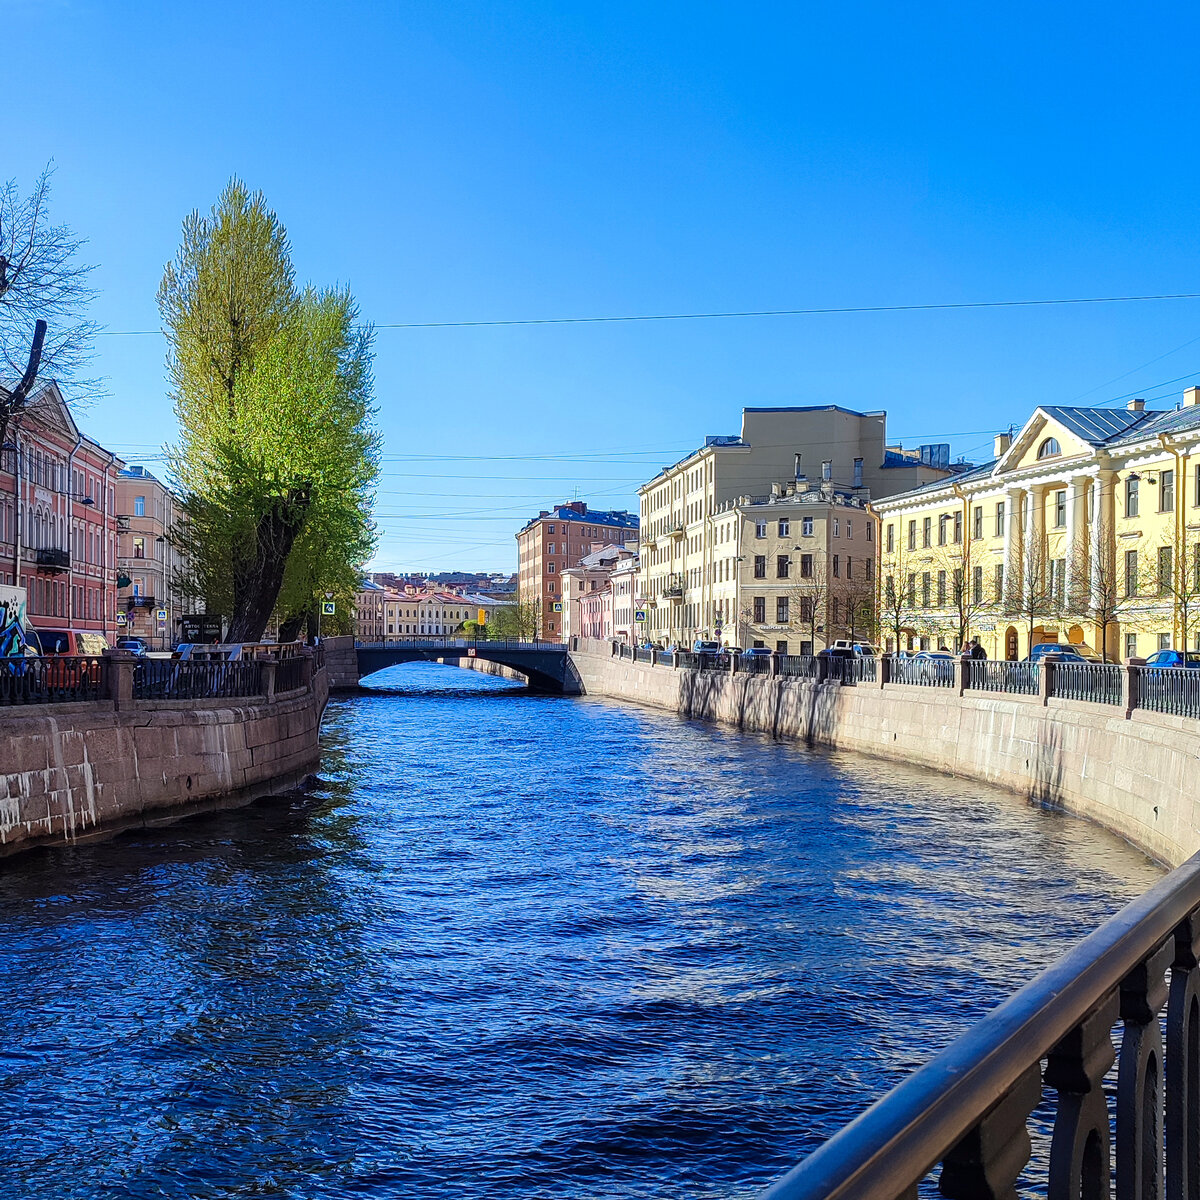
{"x": 487, "y": 161}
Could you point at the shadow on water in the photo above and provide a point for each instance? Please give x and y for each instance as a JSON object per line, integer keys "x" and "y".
{"x": 544, "y": 948}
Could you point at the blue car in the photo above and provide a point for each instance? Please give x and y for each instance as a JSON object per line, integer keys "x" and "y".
{"x": 1043, "y": 648}
{"x": 1174, "y": 658}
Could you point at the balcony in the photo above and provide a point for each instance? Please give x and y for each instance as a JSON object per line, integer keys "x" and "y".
{"x": 676, "y": 530}
{"x": 54, "y": 560}
{"x": 140, "y": 602}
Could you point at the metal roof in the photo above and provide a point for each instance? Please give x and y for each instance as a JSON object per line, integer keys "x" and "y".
{"x": 1096, "y": 425}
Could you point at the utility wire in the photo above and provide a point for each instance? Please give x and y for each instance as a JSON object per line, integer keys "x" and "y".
{"x": 713, "y": 316}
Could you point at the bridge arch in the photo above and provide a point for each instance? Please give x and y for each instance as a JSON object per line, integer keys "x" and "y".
{"x": 544, "y": 664}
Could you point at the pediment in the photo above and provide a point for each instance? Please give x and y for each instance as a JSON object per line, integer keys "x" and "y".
{"x": 1026, "y": 446}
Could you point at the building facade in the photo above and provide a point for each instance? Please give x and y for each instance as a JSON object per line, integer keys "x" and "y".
{"x": 148, "y": 559}
{"x": 598, "y": 594}
{"x": 1085, "y": 529}
{"x": 58, "y": 518}
{"x": 553, "y": 542}
{"x": 370, "y": 614}
{"x": 693, "y": 572}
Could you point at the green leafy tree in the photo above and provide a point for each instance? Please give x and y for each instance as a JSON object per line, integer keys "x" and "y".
{"x": 277, "y": 459}
{"x": 522, "y": 620}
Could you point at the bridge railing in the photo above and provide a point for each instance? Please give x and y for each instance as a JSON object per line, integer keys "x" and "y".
{"x": 450, "y": 643}
{"x": 966, "y": 1115}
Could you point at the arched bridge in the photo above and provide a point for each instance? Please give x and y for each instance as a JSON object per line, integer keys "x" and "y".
{"x": 544, "y": 664}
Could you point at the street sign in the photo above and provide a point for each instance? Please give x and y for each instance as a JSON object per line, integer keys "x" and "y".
{"x": 162, "y": 614}
{"x": 120, "y": 618}
{"x": 557, "y": 606}
{"x": 639, "y": 614}
{"x": 328, "y": 608}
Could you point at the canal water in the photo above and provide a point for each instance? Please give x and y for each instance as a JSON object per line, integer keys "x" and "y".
{"x": 516, "y": 946}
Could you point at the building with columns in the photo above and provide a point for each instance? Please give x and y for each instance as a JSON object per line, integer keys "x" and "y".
{"x": 1084, "y": 529}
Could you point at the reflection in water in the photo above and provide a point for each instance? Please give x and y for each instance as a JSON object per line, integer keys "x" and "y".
{"x": 517, "y": 946}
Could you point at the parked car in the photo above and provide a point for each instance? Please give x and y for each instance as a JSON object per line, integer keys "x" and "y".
{"x": 135, "y": 645}
{"x": 82, "y": 652}
{"x": 1043, "y": 648}
{"x": 934, "y": 656}
{"x": 700, "y": 646}
{"x": 1174, "y": 658}
{"x": 757, "y": 652}
{"x": 837, "y": 652}
{"x": 861, "y": 649}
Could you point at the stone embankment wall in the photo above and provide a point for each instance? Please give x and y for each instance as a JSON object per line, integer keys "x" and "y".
{"x": 341, "y": 661}
{"x": 484, "y": 667}
{"x": 73, "y": 772}
{"x": 1136, "y": 775}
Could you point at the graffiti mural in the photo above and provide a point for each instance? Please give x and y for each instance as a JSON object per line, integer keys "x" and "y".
{"x": 13, "y": 635}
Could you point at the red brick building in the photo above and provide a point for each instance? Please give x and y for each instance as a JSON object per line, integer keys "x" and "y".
{"x": 553, "y": 542}
{"x": 58, "y": 523}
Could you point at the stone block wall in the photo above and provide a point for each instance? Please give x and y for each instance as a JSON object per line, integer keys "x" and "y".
{"x": 80, "y": 771}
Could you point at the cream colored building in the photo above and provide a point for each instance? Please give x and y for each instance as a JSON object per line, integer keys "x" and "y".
{"x": 1085, "y": 529}
{"x": 149, "y": 558}
{"x": 418, "y": 614}
{"x": 689, "y": 579}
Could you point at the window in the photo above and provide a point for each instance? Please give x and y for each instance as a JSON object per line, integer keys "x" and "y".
{"x": 999, "y": 519}
{"x": 977, "y": 586}
{"x": 1166, "y": 492}
{"x": 1049, "y": 448}
{"x": 781, "y": 647}
{"x": 550, "y": 567}
{"x": 1164, "y": 570}
{"x": 806, "y": 566}
{"x": 977, "y": 523}
{"x": 1196, "y": 486}
{"x": 941, "y": 589}
{"x": 1131, "y": 572}
{"x": 943, "y": 521}
{"x": 958, "y": 528}
{"x": 912, "y": 591}
{"x": 912, "y": 535}
{"x": 139, "y": 547}
{"x": 1131, "y": 497}
{"x": 1060, "y": 509}
{"x": 783, "y": 566}
{"x": 927, "y": 532}
{"x": 999, "y": 582}
{"x": 760, "y": 566}
{"x": 550, "y": 548}
{"x": 870, "y": 532}
{"x": 1164, "y": 641}
{"x": 926, "y": 593}
{"x": 835, "y": 615}
{"x": 849, "y": 567}
{"x": 1131, "y": 645}
{"x": 760, "y": 529}
{"x": 836, "y": 528}
{"x": 785, "y": 527}
{"x": 760, "y": 609}
{"x": 549, "y": 528}
{"x": 806, "y": 526}
{"x": 806, "y": 610}
{"x": 889, "y": 589}
{"x": 781, "y": 610}
{"x": 139, "y": 506}
{"x": 870, "y": 569}
{"x": 836, "y": 567}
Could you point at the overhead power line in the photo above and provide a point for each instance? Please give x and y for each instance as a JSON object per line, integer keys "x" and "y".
{"x": 764, "y": 312}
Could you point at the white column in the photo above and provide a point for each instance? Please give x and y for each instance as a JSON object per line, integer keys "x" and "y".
{"x": 1077, "y": 556}
{"x": 1101, "y": 533}
{"x": 1012, "y": 541}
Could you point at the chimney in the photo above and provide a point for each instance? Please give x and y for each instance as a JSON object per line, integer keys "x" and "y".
{"x": 1191, "y": 396}
{"x": 1002, "y": 443}
{"x": 1136, "y": 405}
{"x": 799, "y": 472}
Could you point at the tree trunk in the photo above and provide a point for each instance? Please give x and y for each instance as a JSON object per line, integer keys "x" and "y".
{"x": 258, "y": 569}
{"x": 290, "y": 629}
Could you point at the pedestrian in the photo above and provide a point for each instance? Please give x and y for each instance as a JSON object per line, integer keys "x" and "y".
{"x": 977, "y": 651}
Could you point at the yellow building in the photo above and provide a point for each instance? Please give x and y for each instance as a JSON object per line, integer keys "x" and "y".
{"x": 1084, "y": 529}
{"x": 689, "y": 580}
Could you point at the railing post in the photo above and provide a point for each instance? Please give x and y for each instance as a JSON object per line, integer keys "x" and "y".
{"x": 823, "y": 668}
{"x": 1046, "y": 677}
{"x": 960, "y": 675}
{"x": 885, "y": 670}
{"x": 1183, "y": 1049}
{"x": 733, "y": 664}
{"x": 120, "y": 678}
{"x": 266, "y": 668}
{"x": 1129, "y": 685}
{"x": 775, "y": 666}
{"x": 653, "y": 657}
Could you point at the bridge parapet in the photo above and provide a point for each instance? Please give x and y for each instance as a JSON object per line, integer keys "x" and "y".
{"x": 546, "y": 665}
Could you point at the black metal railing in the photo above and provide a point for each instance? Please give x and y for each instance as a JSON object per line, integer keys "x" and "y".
{"x": 172, "y": 679}
{"x": 452, "y": 643}
{"x": 924, "y": 672}
{"x": 52, "y": 680}
{"x": 1099, "y": 683}
{"x": 58, "y": 560}
{"x": 1016, "y": 678}
{"x": 968, "y": 1111}
{"x": 290, "y": 674}
{"x": 799, "y": 666}
{"x": 753, "y": 664}
{"x": 666, "y": 657}
{"x": 644, "y": 655}
{"x": 1168, "y": 690}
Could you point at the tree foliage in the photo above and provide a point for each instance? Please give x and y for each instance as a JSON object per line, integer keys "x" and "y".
{"x": 278, "y": 459}
{"x": 44, "y": 296}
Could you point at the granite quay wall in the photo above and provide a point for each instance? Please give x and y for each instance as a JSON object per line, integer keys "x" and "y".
{"x": 1132, "y": 771}
{"x": 341, "y": 661}
{"x": 83, "y": 771}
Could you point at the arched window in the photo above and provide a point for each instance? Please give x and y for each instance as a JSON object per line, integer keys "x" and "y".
{"x": 1049, "y": 448}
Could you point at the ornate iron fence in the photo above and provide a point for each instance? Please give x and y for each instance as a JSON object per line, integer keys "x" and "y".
{"x": 925, "y": 672}
{"x": 171, "y": 679}
{"x": 52, "y": 680}
{"x": 666, "y": 658}
{"x": 1168, "y": 690}
{"x": 1099, "y": 683}
{"x": 290, "y": 674}
{"x": 969, "y": 1108}
{"x": 754, "y": 664}
{"x": 798, "y": 666}
{"x": 980, "y": 675}
{"x": 644, "y": 655}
